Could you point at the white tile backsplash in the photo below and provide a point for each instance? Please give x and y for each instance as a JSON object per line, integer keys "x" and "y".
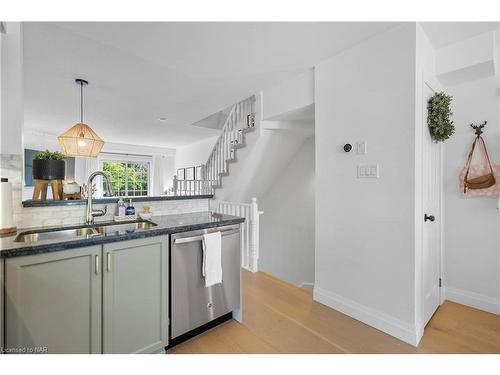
{"x": 67, "y": 215}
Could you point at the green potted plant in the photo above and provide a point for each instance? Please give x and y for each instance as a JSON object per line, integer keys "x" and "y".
{"x": 49, "y": 166}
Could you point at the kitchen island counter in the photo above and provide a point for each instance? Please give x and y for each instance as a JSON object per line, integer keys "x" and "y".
{"x": 166, "y": 224}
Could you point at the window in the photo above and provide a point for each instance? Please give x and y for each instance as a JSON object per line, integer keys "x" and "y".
{"x": 129, "y": 175}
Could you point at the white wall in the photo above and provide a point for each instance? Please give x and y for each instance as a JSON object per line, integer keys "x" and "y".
{"x": 292, "y": 94}
{"x": 11, "y": 119}
{"x": 194, "y": 154}
{"x": 365, "y": 244}
{"x": 472, "y": 226}
{"x": 258, "y": 164}
{"x": 287, "y": 226}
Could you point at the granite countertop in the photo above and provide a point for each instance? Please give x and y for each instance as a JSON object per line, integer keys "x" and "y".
{"x": 165, "y": 225}
{"x": 51, "y": 202}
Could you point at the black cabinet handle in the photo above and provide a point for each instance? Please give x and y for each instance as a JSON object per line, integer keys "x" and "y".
{"x": 429, "y": 217}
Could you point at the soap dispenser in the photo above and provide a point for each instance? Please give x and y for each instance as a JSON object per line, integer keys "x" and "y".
{"x": 121, "y": 207}
{"x": 130, "y": 209}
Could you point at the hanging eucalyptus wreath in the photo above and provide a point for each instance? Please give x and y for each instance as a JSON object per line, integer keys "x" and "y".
{"x": 438, "y": 118}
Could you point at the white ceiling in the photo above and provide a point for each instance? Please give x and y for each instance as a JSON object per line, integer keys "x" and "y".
{"x": 139, "y": 72}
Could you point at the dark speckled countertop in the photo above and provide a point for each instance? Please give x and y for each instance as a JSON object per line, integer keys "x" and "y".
{"x": 165, "y": 225}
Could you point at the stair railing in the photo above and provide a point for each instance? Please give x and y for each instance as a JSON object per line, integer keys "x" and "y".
{"x": 193, "y": 187}
{"x": 249, "y": 229}
{"x": 239, "y": 118}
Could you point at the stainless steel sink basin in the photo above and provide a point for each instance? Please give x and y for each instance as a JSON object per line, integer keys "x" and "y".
{"x": 145, "y": 225}
{"x": 65, "y": 234}
{"x": 83, "y": 232}
{"x": 125, "y": 227}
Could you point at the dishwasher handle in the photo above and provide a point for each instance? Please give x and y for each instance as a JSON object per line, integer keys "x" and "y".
{"x": 200, "y": 238}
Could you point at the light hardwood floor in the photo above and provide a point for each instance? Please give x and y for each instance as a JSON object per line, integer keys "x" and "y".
{"x": 281, "y": 318}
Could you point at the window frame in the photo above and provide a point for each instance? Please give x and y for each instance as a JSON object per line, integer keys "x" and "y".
{"x": 126, "y": 159}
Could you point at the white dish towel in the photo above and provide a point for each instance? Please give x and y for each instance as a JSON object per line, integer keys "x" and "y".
{"x": 212, "y": 258}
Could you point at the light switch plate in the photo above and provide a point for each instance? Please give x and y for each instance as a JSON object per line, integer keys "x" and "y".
{"x": 368, "y": 171}
{"x": 361, "y": 148}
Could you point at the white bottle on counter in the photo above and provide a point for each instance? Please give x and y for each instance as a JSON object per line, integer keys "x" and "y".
{"x": 121, "y": 207}
{"x": 6, "y": 212}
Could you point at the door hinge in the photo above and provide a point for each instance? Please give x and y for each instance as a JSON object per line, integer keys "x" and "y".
{"x": 440, "y": 282}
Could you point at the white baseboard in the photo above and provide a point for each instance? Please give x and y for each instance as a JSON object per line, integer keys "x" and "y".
{"x": 377, "y": 319}
{"x": 476, "y": 300}
{"x": 306, "y": 285}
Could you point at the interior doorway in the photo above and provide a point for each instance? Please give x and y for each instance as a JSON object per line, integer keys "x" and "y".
{"x": 431, "y": 202}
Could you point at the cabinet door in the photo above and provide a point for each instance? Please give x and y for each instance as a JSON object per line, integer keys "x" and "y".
{"x": 135, "y": 299}
{"x": 53, "y": 302}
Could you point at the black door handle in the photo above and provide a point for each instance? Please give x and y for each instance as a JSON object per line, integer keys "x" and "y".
{"x": 429, "y": 217}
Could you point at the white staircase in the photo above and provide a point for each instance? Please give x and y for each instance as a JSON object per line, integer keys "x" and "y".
{"x": 240, "y": 120}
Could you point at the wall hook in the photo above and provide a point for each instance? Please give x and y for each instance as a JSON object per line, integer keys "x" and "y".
{"x": 479, "y": 128}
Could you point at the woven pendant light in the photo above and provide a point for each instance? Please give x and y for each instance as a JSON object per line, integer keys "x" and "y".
{"x": 81, "y": 140}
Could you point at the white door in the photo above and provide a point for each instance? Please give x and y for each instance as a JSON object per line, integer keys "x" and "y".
{"x": 432, "y": 183}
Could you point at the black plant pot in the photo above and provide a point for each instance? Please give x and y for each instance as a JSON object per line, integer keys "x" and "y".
{"x": 49, "y": 169}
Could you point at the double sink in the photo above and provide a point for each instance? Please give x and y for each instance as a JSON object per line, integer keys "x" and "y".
{"x": 84, "y": 231}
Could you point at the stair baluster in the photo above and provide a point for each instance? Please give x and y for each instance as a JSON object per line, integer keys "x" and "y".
{"x": 231, "y": 136}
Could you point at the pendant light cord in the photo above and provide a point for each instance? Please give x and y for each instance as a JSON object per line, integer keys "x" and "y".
{"x": 81, "y": 102}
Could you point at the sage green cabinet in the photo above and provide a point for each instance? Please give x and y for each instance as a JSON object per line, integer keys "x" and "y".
{"x": 53, "y": 302}
{"x": 99, "y": 299}
{"x": 135, "y": 296}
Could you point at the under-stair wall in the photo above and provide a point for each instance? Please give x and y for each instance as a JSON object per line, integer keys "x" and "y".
{"x": 258, "y": 164}
{"x": 287, "y": 226}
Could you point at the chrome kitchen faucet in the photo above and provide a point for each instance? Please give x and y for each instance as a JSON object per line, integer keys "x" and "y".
{"x": 90, "y": 212}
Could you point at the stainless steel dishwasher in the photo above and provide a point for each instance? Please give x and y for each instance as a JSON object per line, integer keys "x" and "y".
{"x": 192, "y": 304}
